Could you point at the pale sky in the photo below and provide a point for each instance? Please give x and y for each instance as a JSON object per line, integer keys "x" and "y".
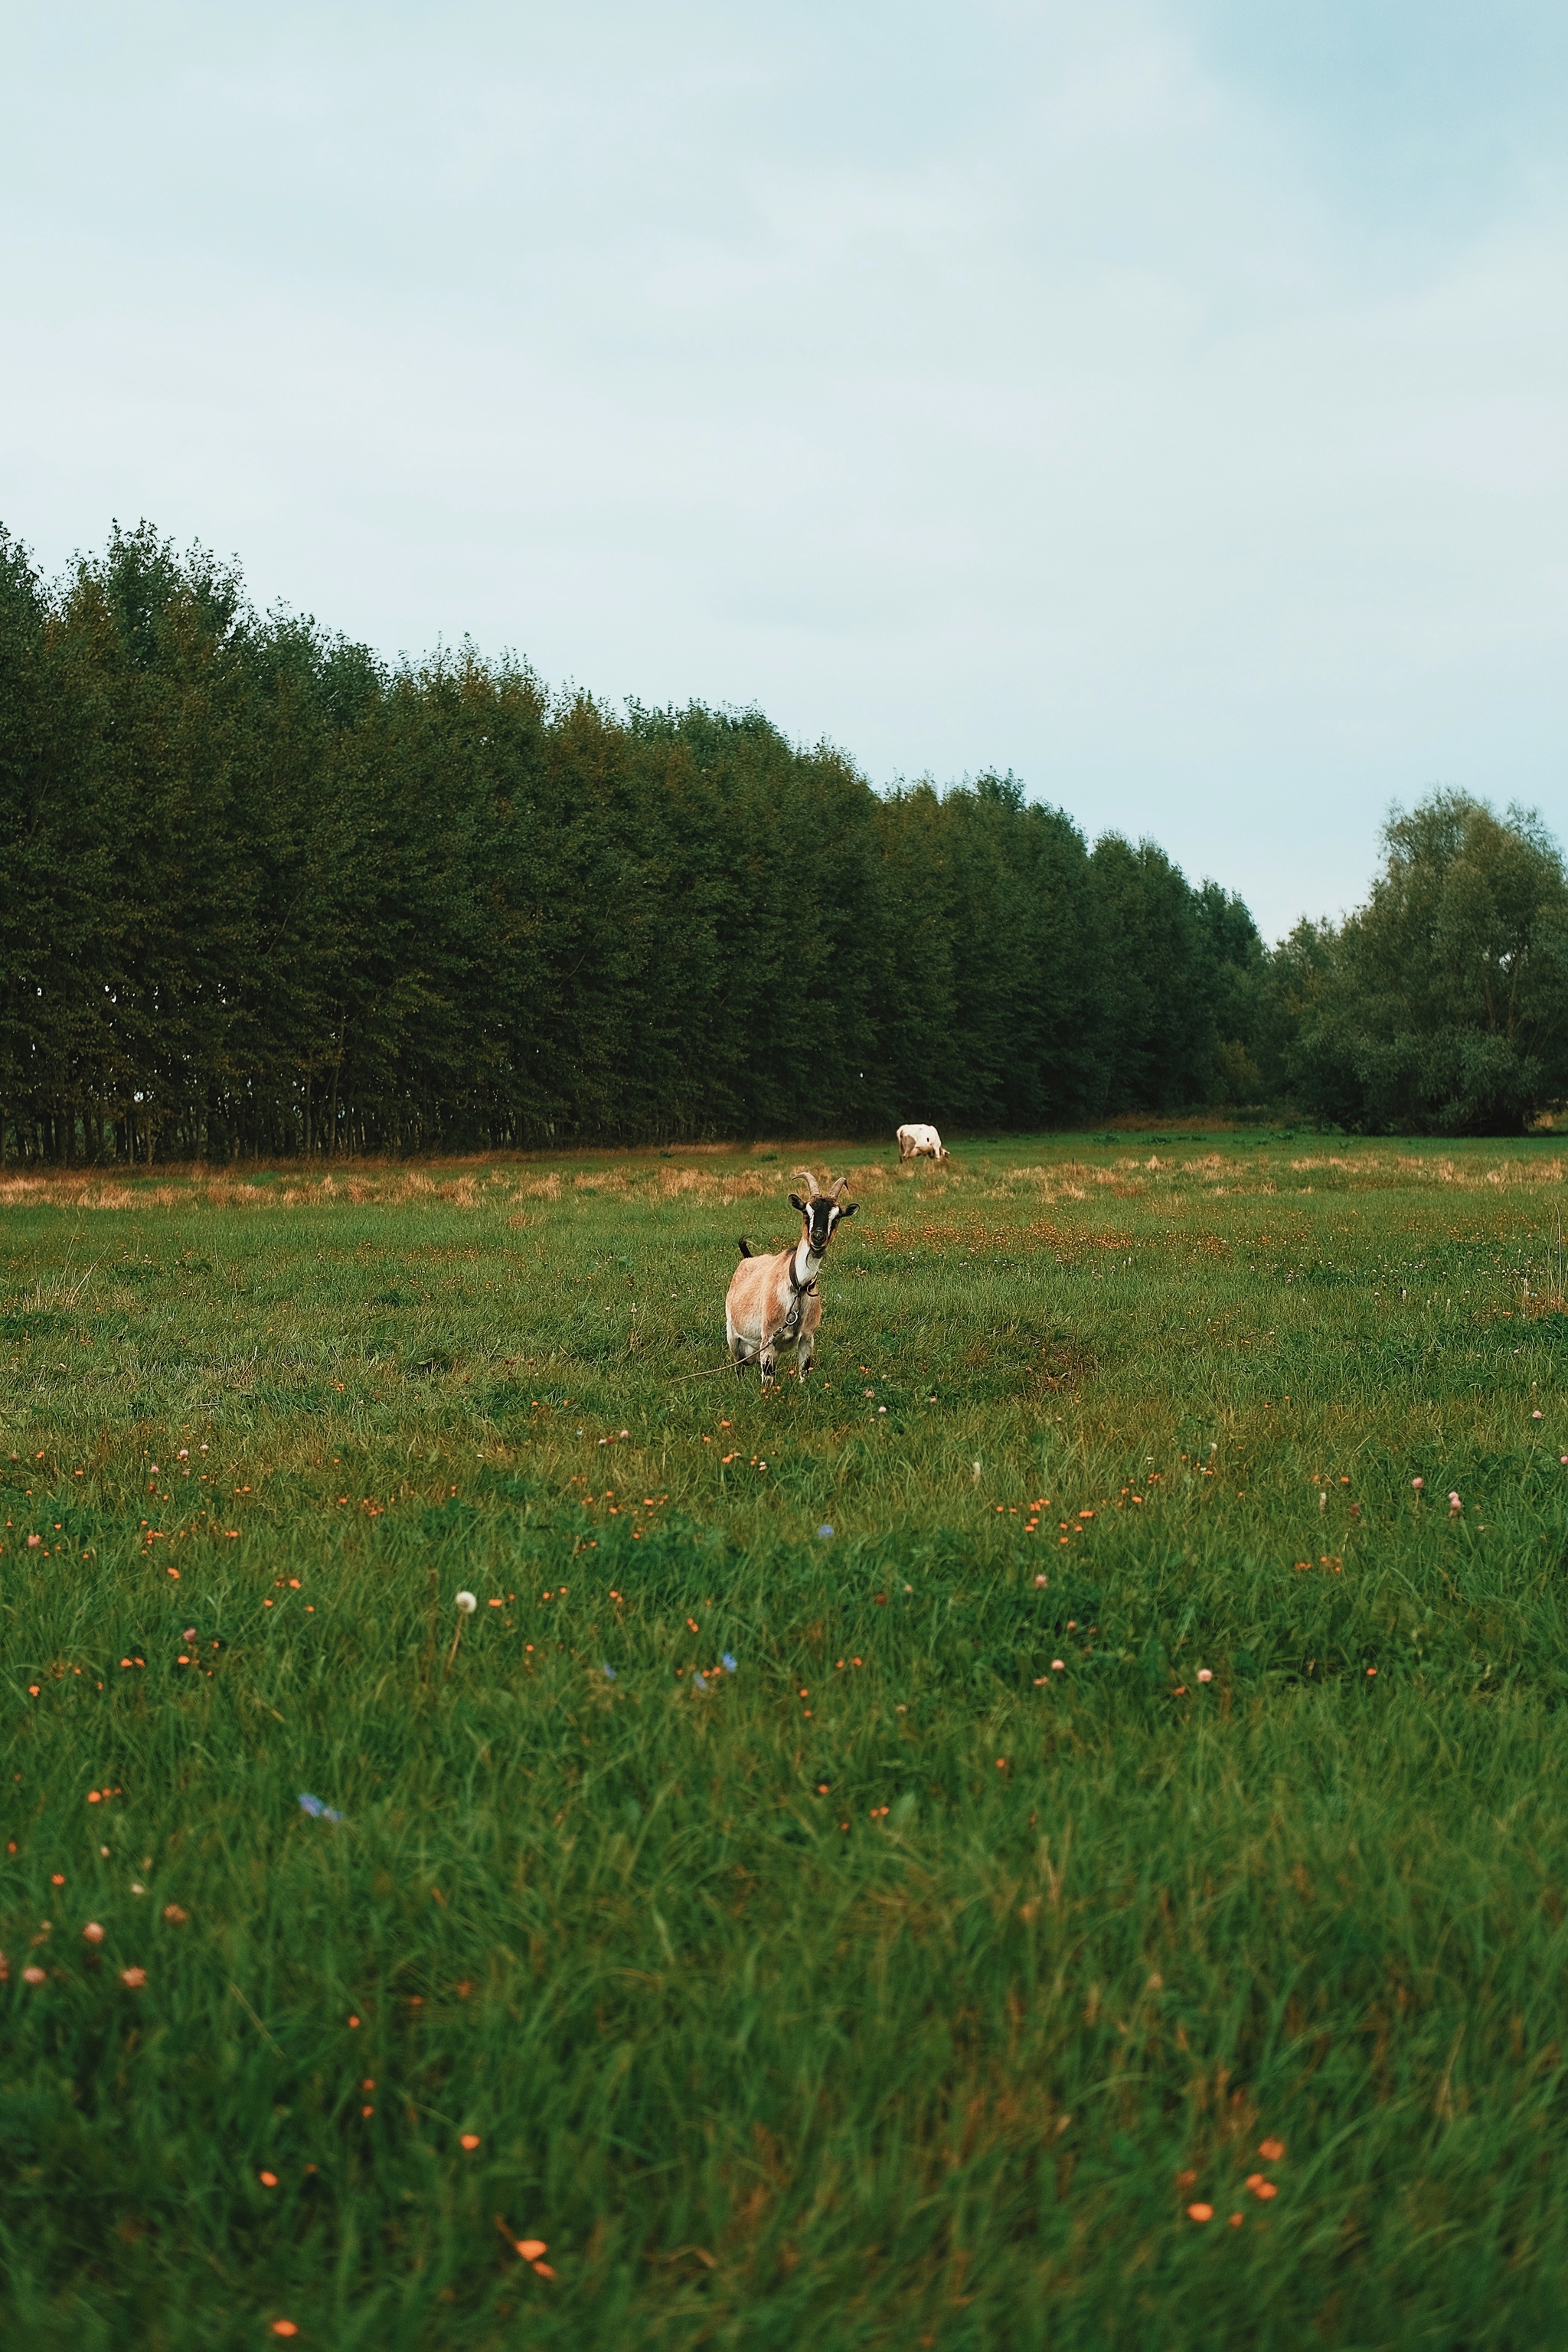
{"x": 1163, "y": 399}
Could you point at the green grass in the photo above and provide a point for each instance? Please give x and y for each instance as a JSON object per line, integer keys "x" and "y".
{"x": 901, "y": 1987}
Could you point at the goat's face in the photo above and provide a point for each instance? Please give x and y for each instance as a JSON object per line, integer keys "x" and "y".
{"x": 821, "y": 1215}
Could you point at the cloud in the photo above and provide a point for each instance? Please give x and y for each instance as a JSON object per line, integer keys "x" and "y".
{"x": 1161, "y": 400}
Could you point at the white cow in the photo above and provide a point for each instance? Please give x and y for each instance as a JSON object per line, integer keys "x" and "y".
{"x": 921, "y": 1143}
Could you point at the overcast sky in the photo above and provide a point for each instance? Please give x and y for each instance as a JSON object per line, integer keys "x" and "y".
{"x": 1162, "y": 399}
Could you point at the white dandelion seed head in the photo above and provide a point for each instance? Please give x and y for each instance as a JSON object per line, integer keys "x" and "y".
{"x": 468, "y": 1603}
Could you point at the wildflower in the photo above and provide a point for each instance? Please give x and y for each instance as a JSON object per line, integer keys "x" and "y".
{"x": 317, "y": 1810}
{"x": 1059, "y": 1665}
{"x": 1536, "y": 1415}
{"x": 174, "y": 1916}
{"x": 728, "y": 1661}
{"x": 284, "y": 2327}
{"x": 1271, "y": 2150}
{"x": 134, "y": 1977}
{"x": 466, "y": 1603}
{"x": 1261, "y": 2188}
{"x": 268, "y": 2180}
{"x": 825, "y": 1531}
{"x": 1200, "y": 2213}
{"x": 92, "y": 1933}
{"x": 609, "y": 1670}
{"x": 1205, "y": 1673}
{"x": 1039, "y": 1580}
{"x": 468, "y": 2140}
{"x": 1418, "y": 1483}
{"x": 1454, "y": 1504}
{"x": 532, "y": 2248}
{"x": 33, "y": 1976}
{"x": 34, "y": 1541}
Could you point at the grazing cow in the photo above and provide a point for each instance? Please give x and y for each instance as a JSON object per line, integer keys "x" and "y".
{"x": 921, "y": 1143}
{"x": 773, "y": 1301}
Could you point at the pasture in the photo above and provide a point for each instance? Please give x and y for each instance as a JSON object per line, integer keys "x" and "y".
{"x": 1115, "y": 1897}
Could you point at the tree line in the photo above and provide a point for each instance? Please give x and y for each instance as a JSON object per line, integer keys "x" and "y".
{"x": 268, "y": 895}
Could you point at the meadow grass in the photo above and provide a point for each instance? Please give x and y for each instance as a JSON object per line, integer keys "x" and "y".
{"x": 1142, "y": 1772}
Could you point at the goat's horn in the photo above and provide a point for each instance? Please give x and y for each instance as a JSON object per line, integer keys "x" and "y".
{"x": 816, "y": 1187}
{"x": 839, "y": 1184}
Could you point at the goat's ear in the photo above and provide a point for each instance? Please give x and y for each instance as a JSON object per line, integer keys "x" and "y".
{"x": 849, "y": 1208}
{"x": 796, "y": 1202}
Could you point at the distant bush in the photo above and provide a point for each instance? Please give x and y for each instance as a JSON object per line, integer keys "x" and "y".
{"x": 1440, "y": 1007}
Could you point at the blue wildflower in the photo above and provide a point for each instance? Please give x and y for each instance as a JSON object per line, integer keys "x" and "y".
{"x": 728, "y": 1661}
{"x": 317, "y": 1810}
{"x": 609, "y": 1670}
{"x": 699, "y": 1681}
{"x": 823, "y": 1532}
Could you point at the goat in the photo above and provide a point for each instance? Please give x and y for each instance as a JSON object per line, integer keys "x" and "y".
{"x": 921, "y": 1143}
{"x": 773, "y": 1301}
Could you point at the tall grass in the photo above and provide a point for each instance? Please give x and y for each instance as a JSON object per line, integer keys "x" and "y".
{"x": 915, "y": 1981}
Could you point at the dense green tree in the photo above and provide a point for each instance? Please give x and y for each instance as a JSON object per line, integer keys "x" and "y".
{"x": 267, "y": 895}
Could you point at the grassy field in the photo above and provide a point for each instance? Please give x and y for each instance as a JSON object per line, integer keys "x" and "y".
{"x": 1054, "y": 1834}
